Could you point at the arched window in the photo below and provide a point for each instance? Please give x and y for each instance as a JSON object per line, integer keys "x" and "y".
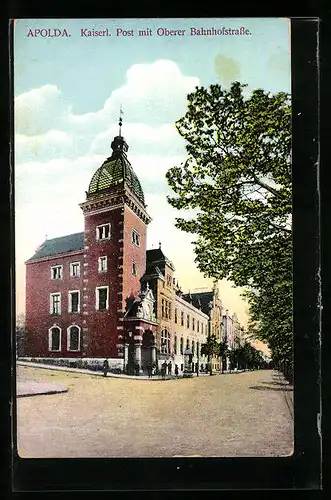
{"x": 54, "y": 339}
{"x": 175, "y": 344}
{"x": 73, "y": 338}
{"x": 181, "y": 345}
{"x": 165, "y": 342}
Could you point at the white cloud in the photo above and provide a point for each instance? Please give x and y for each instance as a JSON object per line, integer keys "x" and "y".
{"x": 40, "y": 110}
{"x": 154, "y": 94}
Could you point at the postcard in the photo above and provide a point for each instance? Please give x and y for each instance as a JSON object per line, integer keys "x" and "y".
{"x": 153, "y": 234}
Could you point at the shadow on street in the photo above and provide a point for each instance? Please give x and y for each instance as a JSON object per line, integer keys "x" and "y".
{"x": 264, "y": 388}
{"x": 275, "y": 383}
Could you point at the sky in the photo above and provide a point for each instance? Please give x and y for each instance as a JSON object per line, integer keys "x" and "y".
{"x": 68, "y": 91}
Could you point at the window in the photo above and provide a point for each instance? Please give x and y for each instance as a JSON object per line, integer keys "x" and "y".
{"x": 187, "y": 343}
{"x": 75, "y": 269}
{"x": 55, "y": 303}
{"x": 175, "y": 344}
{"x": 166, "y": 309}
{"x": 73, "y": 338}
{"x": 198, "y": 349}
{"x": 198, "y": 326}
{"x": 193, "y": 346}
{"x": 182, "y": 318}
{"x": 101, "y": 297}
{"x": 74, "y": 301}
{"x": 165, "y": 342}
{"x": 135, "y": 237}
{"x": 193, "y": 324}
{"x": 103, "y": 232}
{"x": 187, "y": 321}
{"x": 175, "y": 314}
{"x": 169, "y": 280}
{"x": 102, "y": 264}
{"x": 56, "y": 272}
{"x": 134, "y": 269}
{"x": 54, "y": 339}
{"x": 181, "y": 345}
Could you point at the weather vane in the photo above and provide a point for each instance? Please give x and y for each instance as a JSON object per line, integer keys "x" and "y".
{"x": 120, "y": 120}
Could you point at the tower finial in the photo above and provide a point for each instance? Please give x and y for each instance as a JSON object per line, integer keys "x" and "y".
{"x": 120, "y": 121}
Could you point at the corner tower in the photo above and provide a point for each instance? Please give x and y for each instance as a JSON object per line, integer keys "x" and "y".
{"x": 114, "y": 251}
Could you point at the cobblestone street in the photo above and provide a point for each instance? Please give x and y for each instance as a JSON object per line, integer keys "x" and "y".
{"x": 229, "y": 415}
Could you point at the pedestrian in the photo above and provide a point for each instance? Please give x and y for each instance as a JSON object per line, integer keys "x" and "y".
{"x": 197, "y": 369}
{"x": 169, "y": 368}
{"x": 163, "y": 370}
{"x": 176, "y": 370}
{"x": 150, "y": 370}
{"x": 105, "y": 367}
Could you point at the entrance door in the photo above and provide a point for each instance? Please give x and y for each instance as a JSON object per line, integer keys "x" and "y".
{"x": 146, "y": 349}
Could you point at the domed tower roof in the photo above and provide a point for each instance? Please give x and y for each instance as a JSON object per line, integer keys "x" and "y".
{"x": 116, "y": 170}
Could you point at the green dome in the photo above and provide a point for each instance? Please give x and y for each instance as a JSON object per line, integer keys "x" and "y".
{"x": 116, "y": 170}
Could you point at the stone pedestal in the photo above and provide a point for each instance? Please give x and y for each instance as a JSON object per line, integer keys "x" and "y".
{"x": 126, "y": 356}
{"x": 137, "y": 355}
{"x": 153, "y": 354}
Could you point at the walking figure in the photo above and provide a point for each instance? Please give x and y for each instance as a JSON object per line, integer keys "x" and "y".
{"x": 105, "y": 367}
{"x": 176, "y": 370}
{"x": 163, "y": 370}
{"x": 169, "y": 368}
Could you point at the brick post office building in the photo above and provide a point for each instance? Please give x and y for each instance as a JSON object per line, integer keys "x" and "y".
{"x": 99, "y": 294}
{"x": 83, "y": 291}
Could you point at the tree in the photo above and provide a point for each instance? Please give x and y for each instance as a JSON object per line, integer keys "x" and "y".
{"x": 236, "y": 181}
{"x": 209, "y": 349}
{"x": 223, "y": 351}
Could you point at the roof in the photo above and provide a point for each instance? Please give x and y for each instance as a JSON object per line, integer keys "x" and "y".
{"x": 154, "y": 256}
{"x": 63, "y": 244}
{"x": 116, "y": 170}
{"x": 200, "y": 300}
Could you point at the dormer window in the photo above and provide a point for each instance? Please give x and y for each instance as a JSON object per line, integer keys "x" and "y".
{"x": 103, "y": 232}
{"x": 135, "y": 237}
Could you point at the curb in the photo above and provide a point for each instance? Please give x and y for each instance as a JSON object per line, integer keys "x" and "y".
{"x": 95, "y": 373}
{"x": 45, "y": 393}
{"x": 288, "y": 399}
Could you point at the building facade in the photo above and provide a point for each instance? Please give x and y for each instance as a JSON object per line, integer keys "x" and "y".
{"x": 211, "y": 305}
{"x": 100, "y": 294}
{"x": 190, "y": 331}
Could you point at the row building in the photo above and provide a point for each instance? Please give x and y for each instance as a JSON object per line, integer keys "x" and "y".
{"x": 101, "y": 294}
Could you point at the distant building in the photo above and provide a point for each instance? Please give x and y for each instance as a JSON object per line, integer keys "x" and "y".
{"x": 211, "y": 305}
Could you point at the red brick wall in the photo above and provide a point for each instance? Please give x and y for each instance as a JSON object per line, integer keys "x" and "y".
{"x": 99, "y": 329}
{"x": 133, "y": 253}
{"x": 101, "y": 336}
{"x": 39, "y": 286}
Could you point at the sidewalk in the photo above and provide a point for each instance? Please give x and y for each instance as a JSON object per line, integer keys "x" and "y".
{"x": 100, "y": 374}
